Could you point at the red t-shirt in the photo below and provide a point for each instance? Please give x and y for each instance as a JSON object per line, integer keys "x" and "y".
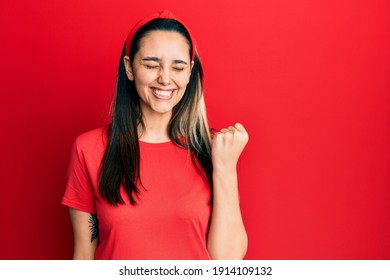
{"x": 173, "y": 212}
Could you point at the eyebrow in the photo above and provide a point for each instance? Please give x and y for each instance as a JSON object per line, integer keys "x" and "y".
{"x": 156, "y": 59}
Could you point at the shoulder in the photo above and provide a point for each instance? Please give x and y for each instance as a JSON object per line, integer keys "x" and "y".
{"x": 91, "y": 136}
{"x": 92, "y": 140}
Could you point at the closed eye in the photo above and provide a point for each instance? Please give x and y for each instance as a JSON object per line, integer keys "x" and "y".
{"x": 151, "y": 66}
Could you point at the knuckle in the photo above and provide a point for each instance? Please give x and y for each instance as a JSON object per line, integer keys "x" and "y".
{"x": 217, "y": 136}
{"x": 229, "y": 135}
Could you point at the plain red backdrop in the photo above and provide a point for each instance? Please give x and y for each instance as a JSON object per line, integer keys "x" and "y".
{"x": 310, "y": 80}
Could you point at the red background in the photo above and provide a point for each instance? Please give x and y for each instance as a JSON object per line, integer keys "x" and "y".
{"x": 310, "y": 80}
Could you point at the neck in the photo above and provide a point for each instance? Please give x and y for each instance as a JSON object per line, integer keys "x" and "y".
{"x": 156, "y": 127}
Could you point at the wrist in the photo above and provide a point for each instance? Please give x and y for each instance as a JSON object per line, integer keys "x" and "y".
{"x": 224, "y": 169}
{"x": 224, "y": 179}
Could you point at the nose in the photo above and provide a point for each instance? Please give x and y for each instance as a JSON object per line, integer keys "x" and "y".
{"x": 164, "y": 76}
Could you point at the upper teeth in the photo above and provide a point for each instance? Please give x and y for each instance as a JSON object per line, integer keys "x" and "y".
{"x": 164, "y": 93}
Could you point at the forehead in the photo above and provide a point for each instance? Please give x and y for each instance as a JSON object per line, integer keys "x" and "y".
{"x": 164, "y": 44}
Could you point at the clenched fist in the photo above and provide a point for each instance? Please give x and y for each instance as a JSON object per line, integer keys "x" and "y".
{"x": 227, "y": 146}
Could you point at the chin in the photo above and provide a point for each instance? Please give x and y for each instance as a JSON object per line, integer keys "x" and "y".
{"x": 162, "y": 110}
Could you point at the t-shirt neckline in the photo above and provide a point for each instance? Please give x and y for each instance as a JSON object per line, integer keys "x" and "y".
{"x": 155, "y": 145}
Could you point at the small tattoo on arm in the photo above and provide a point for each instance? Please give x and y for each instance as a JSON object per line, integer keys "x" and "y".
{"x": 93, "y": 221}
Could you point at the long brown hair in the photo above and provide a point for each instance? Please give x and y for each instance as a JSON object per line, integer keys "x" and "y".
{"x": 120, "y": 165}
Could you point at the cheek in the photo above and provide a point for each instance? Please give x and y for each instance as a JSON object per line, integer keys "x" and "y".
{"x": 143, "y": 78}
{"x": 183, "y": 80}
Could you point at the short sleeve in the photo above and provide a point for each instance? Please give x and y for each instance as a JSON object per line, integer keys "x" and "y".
{"x": 79, "y": 192}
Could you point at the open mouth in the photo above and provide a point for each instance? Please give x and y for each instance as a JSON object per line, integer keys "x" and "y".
{"x": 163, "y": 93}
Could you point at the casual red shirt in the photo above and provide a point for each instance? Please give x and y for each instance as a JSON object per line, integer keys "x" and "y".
{"x": 173, "y": 212}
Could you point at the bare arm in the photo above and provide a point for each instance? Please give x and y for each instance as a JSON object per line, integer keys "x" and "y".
{"x": 85, "y": 234}
{"x": 227, "y": 238}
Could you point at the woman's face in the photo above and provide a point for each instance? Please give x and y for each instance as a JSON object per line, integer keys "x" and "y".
{"x": 161, "y": 71}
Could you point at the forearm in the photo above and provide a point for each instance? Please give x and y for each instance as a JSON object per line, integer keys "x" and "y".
{"x": 85, "y": 252}
{"x": 227, "y": 237}
{"x": 85, "y": 234}
{"x": 82, "y": 256}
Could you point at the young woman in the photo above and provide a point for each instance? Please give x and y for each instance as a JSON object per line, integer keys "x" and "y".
{"x": 154, "y": 184}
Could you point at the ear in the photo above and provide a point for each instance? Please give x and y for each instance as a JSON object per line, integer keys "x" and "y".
{"x": 129, "y": 69}
{"x": 192, "y": 66}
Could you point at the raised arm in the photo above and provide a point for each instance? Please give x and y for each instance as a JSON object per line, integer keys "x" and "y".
{"x": 227, "y": 238}
{"x": 85, "y": 230}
